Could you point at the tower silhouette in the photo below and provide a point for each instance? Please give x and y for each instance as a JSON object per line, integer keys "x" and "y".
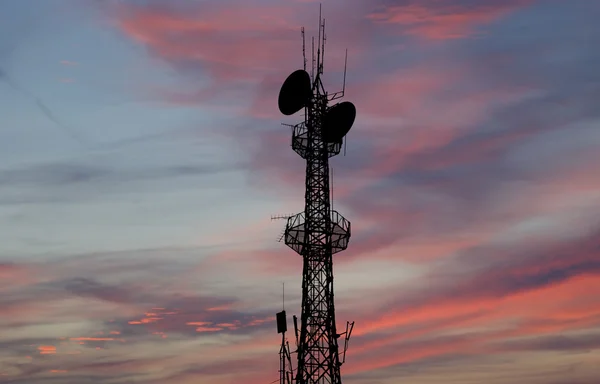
{"x": 319, "y": 232}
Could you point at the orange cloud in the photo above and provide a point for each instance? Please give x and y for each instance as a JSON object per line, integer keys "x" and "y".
{"x": 531, "y": 302}
{"x": 373, "y": 361}
{"x": 47, "y": 349}
{"x": 418, "y": 333}
{"x": 198, "y": 323}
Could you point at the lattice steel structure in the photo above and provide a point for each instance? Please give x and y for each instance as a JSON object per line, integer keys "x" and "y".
{"x": 316, "y": 234}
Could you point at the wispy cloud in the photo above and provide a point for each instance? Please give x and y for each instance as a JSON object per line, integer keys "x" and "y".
{"x": 43, "y": 108}
{"x": 444, "y": 19}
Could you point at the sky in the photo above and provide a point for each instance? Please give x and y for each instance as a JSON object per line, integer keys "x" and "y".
{"x": 142, "y": 156}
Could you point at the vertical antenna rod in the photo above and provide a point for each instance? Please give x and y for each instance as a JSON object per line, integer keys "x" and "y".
{"x": 345, "y": 65}
{"x": 332, "y": 188}
{"x": 323, "y": 46}
{"x": 304, "y": 48}
{"x": 319, "y": 69}
{"x": 312, "y": 71}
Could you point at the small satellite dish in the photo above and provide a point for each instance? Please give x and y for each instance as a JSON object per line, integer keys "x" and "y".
{"x": 337, "y": 121}
{"x": 295, "y": 92}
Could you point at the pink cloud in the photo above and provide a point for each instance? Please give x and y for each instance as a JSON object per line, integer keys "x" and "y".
{"x": 385, "y": 228}
{"x": 14, "y": 275}
{"x": 235, "y": 48}
{"x": 421, "y": 120}
{"x": 425, "y": 122}
{"x": 441, "y": 21}
{"x": 229, "y": 42}
{"x": 47, "y": 349}
{"x": 490, "y": 291}
{"x": 403, "y": 92}
{"x": 410, "y": 331}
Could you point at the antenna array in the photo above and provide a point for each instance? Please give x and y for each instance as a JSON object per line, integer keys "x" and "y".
{"x": 318, "y": 232}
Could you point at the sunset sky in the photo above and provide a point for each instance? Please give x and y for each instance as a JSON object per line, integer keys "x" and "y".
{"x": 142, "y": 156}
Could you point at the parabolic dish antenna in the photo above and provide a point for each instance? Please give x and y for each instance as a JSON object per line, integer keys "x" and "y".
{"x": 295, "y": 92}
{"x": 337, "y": 121}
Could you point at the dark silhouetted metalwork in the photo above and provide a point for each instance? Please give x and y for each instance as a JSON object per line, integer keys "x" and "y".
{"x": 318, "y": 232}
{"x": 295, "y": 92}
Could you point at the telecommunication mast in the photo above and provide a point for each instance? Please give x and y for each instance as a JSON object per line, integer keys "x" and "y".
{"x": 319, "y": 232}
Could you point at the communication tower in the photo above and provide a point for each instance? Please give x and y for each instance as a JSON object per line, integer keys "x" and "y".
{"x": 318, "y": 232}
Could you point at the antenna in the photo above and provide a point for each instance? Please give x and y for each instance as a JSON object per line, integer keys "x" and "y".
{"x": 296, "y": 328}
{"x": 345, "y": 65}
{"x": 339, "y": 95}
{"x": 331, "y": 189}
{"x": 348, "y": 333}
{"x": 318, "y": 232}
{"x": 323, "y": 46}
{"x": 280, "y": 217}
{"x": 284, "y": 351}
{"x": 312, "y": 71}
{"x": 319, "y": 45}
{"x": 303, "y": 47}
{"x": 295, "y": 92}
{"x": 338, "y": 121}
